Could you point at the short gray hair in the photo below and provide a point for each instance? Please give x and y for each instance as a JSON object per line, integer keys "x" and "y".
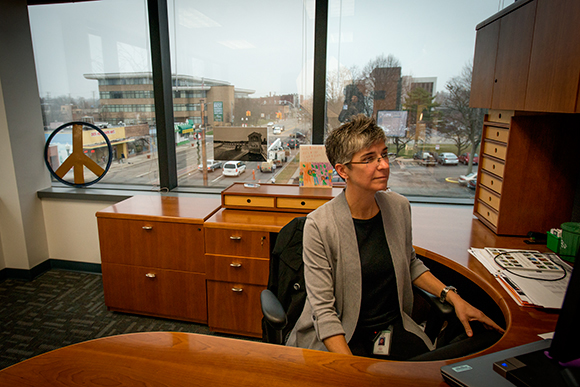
{"x": 351, "y": 137}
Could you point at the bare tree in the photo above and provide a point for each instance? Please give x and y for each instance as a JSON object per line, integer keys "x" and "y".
{"x": 462, "y": 121}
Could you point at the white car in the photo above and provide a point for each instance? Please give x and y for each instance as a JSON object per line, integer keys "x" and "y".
{"x": 233, "y": 168}
{"x": 464, "y": 179}
{"x": 277, "y": 130}
{"x": 212, "y": 165}
{"x": 447, "y": 158}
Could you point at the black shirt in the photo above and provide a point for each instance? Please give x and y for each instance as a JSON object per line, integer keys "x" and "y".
{"x": 379, "y": 301}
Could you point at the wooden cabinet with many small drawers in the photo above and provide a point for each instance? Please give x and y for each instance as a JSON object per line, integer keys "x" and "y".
{"x": 526, "y": 177}
{"x": 152, "y": 253}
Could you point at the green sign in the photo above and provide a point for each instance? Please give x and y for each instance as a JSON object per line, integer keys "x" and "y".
{"x": 218, "y": 111}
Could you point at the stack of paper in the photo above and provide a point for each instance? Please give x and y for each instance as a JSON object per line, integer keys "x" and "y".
{"x": 542, "y": 286}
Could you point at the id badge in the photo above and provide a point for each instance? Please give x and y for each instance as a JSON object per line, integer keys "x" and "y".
{"x": 383, "y": 342}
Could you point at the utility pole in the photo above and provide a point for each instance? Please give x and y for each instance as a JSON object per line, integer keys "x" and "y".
{"x": 203, "y": 145}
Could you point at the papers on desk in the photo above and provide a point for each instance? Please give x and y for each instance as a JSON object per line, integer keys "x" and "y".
{"x": 539, "y": 291}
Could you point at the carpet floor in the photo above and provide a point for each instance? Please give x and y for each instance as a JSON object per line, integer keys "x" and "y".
{"x": 61, "y": 308}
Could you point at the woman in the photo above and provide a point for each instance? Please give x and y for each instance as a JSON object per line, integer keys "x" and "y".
{"x": 359, "y": 262}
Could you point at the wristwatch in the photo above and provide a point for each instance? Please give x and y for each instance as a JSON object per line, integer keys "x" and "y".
{"x": 444, "y": 292}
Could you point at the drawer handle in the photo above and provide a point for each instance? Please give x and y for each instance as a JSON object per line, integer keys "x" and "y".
{"x": 147, "y": 228}
{"x": 235, "y": 238}
{"x": 303, "y": 203}
{"x": 249, "y": 200}
{"x": 495, "y": 150}
{"x": 150, "y": 275}
{"x": 237, "y": 290}
{"x": 236, "y": 265}
{"x": 493, "y": 166}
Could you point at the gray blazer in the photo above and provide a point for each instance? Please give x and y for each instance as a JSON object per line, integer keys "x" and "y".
{"x": 333, "y": 274}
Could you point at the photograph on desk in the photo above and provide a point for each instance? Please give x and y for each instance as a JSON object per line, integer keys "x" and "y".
{"x": 531, "y": 278}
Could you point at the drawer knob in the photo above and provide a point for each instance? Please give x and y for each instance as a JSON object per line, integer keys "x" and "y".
{"x": 303, "y": 203}
{"x": 237, "y": 290}
{"x": 147, "y": 228}
{"x": 236, "y": 265}
{"x": 249, "y": 200}
{"x": 150, "y": 275}
{"x": 235, "y": 238}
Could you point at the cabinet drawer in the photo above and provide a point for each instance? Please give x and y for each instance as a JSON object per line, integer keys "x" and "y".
{"x": 176, "y": 246}
{"x": 490, "y": 182}
{"x": 154, "y": 291}
{"x": 495, "y": 167}
{"x": 488, "y": 197}
{"x": 502, "y": 116}
{"x": 249, "y": 201}
{"x": 234, "y": 308}
{"x": 237, "y": 242}
{"x": 495, "y": 150}
{"x": 487, "y": 213}
{"x": 237, "y": 269}
{"x": 497, "y": 134}
{"x": 309, "y": 204}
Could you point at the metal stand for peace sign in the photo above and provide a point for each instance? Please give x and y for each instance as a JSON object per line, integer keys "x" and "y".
{"x": 78, "y": 160}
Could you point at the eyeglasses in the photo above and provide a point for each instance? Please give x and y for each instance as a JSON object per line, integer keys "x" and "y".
{"x": 372, "y": 159}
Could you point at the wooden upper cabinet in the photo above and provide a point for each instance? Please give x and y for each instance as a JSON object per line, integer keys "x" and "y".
{"x": 554, "y": 76}
{"x": 513, "y": 58}
{"x": 484, "y": 66}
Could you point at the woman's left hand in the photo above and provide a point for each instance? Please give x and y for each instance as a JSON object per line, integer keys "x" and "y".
{"x": 466, "y": 312}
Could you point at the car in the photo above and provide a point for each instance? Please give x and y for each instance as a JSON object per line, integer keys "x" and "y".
{"x": 277, "y": 130}
{"x": 421, "y": 155}
{"x": 337, "y": 181}
{"x": 233, "y": 168}
{"x": 292, "y": 143}
{"x": 472, "y": 183}
{"x": 212, "y": 165}
{"x": 298, "y": 135}
{"x": 447, "y": 158}
{"x": 267, "y": 166}
{"x": 464, "y": 158}
{"x": 464, "y": 179}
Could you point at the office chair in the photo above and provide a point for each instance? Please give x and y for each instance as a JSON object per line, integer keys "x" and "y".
{"x": 283, "y": 300}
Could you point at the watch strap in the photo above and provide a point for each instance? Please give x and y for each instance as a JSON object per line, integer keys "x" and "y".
{"x": 443, "y": 296}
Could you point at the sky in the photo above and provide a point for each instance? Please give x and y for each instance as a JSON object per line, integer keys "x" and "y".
{"x": 262, "y": 45}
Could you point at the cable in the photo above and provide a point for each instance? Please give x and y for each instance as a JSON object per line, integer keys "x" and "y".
{"x": 528, "y": 277}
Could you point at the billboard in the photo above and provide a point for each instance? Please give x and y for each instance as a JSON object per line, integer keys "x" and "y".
{"x": 393, "y": 122}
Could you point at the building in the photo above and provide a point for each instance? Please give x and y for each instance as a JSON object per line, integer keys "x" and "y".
{"x": 129, "y": 98}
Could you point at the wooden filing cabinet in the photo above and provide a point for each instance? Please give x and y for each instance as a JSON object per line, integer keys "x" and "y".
{"x": 152, "y": 253}
{"x": 526, "y": 178}
{"x": 238, "y": 244}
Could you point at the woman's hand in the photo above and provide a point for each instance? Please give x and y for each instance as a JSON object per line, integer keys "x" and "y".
{"x": 466, "y": 312}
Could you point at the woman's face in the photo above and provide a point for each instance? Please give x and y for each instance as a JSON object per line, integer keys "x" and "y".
{"x": 368, "y": 170}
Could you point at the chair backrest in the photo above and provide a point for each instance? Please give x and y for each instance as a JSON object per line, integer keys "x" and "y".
{"x": 286, "y": 277}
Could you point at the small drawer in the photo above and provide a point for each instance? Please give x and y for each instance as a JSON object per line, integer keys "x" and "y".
{"x": 502, "y": 116}
{"x": 487, "y": 213}
{"x": 249, "y": 201}
{"x": 488, "y": 197}
{"x": 495, "y": 167}
{"x": 309, "y": 204}
{"x": 237, "y": 269}
{"x": 490, "y": 182}
{"x": 495, "y": 150}
{"x": 497, "y": 134}
{"x": 237, "y": 242}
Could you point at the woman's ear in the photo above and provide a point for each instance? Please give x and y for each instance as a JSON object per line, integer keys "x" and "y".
{"x": 341, "y": 170}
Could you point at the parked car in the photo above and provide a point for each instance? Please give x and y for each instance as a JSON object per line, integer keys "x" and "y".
{"x": 298, "y": 135}
{"x": 277, "y": 130}
{"x": 267, "y": 166}
{"x": 464, "y": 158}
{"x": 292, "y": 143}
{"x": 447, "y": 158}
{"x": 212, "y": 165}
{"x": 464, "y": 179}
{"x": 233, "y": 168}
{"x": 421, "y": 155}
{"x": 472, "y": 183}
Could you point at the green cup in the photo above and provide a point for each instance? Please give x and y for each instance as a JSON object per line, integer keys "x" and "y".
{"x": 570, "y": 241}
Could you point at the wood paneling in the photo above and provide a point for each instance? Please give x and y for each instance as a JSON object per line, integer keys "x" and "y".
{"x": 237, "y": 242}
{"x": 513, "y": 58}
{"x": 484, "y": 66}
{"x": 554, "y": 76}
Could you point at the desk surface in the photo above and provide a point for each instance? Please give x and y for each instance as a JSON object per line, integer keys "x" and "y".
{"x": 441, "y": 233}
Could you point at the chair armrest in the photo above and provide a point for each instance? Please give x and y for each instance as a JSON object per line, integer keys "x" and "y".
{"x": 272, "y": 310}
{"x": 441, "y": 308}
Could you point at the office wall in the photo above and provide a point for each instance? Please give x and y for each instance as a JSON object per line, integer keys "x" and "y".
{"x": 22, "y": 170}
{"x": 71, "y": 229}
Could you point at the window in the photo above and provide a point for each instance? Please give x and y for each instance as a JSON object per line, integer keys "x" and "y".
{"x": 80, "y": 49}
{"x": 237, "y": 67}
{"x": 393, "y": 59}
